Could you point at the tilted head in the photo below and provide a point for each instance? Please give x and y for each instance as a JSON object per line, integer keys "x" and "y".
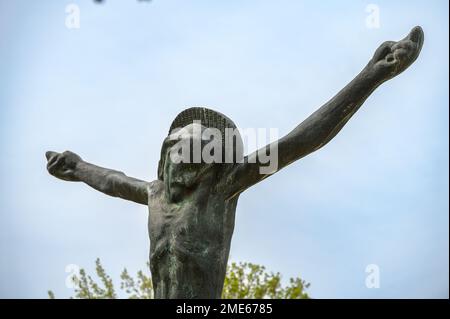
{"x": 199, "y": 140}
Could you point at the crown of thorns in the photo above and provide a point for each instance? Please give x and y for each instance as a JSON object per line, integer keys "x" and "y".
{"x": 207, "y": 117}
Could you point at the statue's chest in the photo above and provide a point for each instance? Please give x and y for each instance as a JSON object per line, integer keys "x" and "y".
{"x": 174, "y": 219}
{"x": 190, "y": 224}
{"x": 179, "y": 230}
{"x": 163, "y": 215}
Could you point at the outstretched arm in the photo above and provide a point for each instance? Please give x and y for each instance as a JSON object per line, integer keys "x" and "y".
{"x": 389, "y": 60}
{"x": 69, "y": 166}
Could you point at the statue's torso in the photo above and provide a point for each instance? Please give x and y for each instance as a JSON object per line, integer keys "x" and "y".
{"x": 189, "y": 242}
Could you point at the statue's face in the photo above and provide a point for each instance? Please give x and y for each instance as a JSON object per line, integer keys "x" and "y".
{"x": 181, "y": 173}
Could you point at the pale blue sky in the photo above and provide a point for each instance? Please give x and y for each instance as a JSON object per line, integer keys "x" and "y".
{"x": 377, "y": 194}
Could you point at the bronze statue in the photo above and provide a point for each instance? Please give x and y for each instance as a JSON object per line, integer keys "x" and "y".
{"x": 192, "y": 205}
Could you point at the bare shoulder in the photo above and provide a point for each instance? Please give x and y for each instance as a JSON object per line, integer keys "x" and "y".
{"x": 155, "y": 188}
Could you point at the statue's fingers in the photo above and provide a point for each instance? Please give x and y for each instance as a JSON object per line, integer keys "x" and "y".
{"x": 383, "y": 50}
{"x": 50, "y": 154}
{"x": 67, "y": 174}
{"x": 416, "y": 35}
{"x": 52, "y": 159}
{"x": 54, "y": 163}
{"x": 51, "y": 165}
{"x": 407, "y": 45}
{"x": 400, "y": 54}
{"x": 414, "y": 41}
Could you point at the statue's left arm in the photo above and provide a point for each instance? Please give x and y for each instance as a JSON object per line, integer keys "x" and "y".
{"x": 69, "y": 166}
{"x": 389, "y": 60}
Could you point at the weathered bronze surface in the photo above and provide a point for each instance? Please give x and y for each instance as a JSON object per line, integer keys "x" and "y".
{"x": 192, "y": 205}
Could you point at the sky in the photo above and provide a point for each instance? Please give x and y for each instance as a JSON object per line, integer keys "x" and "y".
{"x": 377, "y": 194}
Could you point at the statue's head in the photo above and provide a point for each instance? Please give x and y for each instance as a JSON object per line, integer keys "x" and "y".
{"x": 201, "y": 142}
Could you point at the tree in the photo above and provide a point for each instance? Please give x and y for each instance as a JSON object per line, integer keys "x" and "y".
{"x": 242, "y": 281}
{"x": 251, "y": 281}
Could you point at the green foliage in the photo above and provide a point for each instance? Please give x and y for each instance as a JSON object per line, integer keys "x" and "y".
{"x": 242, "y": 281}
{"x": 142, "y": 288}
{"x": 250, "y": 281}
{"x": 87, "y": 288}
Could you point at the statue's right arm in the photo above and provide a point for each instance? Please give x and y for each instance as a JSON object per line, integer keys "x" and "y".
{"x": 389, "y": 60}
{"x": 69, "y": 166}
